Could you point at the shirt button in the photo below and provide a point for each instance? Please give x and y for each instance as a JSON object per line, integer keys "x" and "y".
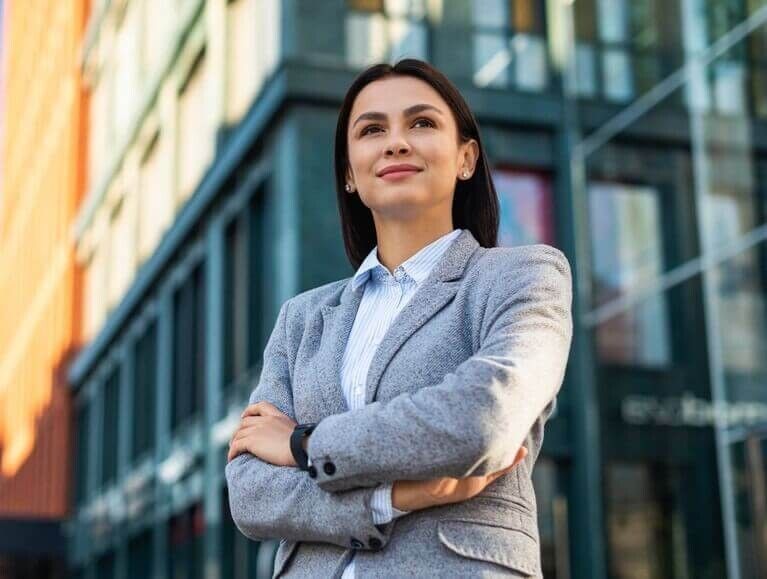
{"x": 329, "y": 468}
{"x": 356, "y": 543}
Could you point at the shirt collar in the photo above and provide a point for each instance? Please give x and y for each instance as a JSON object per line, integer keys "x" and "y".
{"x": 417, "y": 266}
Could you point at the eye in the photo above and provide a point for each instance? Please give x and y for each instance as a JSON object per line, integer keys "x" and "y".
{"x": 424, "y": 119}
{"x": 365, "y": 131}
{"x": 428, "y": 122}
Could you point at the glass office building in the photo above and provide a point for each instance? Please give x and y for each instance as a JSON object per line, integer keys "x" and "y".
{"x": 632, "y": 134}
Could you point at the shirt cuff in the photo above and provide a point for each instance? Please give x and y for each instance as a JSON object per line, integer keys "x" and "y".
{"x": 383, "y": 510}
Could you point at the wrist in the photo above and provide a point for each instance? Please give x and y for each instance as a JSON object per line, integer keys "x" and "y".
{"x": 404, "y": 495}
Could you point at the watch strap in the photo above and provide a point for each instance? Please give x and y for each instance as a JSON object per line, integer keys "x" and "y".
{"x": 300, "y": 432}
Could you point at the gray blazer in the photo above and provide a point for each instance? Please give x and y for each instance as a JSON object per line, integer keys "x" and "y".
{"x": 467, "y": 373}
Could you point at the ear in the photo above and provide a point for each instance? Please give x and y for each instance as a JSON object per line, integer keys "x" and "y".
{"x": 468, "y": 157}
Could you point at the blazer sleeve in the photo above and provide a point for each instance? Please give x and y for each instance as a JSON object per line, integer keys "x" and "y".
{"x": 474, "y": 421}
{"x": 276, "y": 501}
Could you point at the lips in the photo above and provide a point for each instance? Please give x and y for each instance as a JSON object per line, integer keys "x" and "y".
{"x": 401, "y": 169}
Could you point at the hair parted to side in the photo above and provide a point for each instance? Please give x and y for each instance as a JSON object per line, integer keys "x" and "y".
{"x": 475, "y": 202}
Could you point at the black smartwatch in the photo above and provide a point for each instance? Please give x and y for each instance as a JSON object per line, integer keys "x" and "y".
{"x": 300, "y": 432}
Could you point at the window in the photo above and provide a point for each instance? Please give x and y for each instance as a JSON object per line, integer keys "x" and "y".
{"x": 100, "y": 126}
{"x": 109, "y": 441}
{"x": 627, "y": 254}
{"x": 509, "y": 46}
{"x": 81, "y": 461}
{"x": 526, "y": 207}
{"x": 189, "y": 348}
{"x": 106, "y": 566}
{"x": 625, "y": 48}
{"x": 243, "y": 323}
{"x": 122, "y": 248}
{"x": 155, "y": 191}
{"x": 141, "y": 555}
{"x": 253, "y": 39}
{"x": 185, "y": 541}
{"x": 195, "y": 139}
{"x": 96, "y": 283}
{"x": 145, "y": 357}
{"x": 127, "y": 69}
{"x": 387, "y": 30}
{"x": 157, "y": 31}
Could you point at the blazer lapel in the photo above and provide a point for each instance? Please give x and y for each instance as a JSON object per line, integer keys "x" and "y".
{"x": 434, "y": 293}
{"x": 338, "y": 320}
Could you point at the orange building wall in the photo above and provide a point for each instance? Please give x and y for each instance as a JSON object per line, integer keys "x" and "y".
{"x": 42, "y": 152}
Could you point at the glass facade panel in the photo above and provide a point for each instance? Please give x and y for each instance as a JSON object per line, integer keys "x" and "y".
{"x": 675, "y": 209}
{"x": 627, "y": 245}
{"x": 110, "y": 428}
{"x": 525, "y": 200}
{"x": 189, "y": 348}
{"x": 186, "y": 532}
{"x": 144, "y": 392}
{"x": 141, "y": 555}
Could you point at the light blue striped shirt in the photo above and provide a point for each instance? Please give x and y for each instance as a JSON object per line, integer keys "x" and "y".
{"x": 383, "y": 298}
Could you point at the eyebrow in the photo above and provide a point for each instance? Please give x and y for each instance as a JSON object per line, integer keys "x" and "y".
{"x": 376, "y": 116}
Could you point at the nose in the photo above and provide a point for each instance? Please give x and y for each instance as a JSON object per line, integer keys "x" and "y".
{"x": 397, "y": 144}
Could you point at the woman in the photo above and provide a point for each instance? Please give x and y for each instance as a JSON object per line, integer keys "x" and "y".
{"x": 399, "y": 412}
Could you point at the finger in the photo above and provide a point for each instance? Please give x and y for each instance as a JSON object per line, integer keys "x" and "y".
{"x": 262, "y": 408}
{"x": 243, "y": 433}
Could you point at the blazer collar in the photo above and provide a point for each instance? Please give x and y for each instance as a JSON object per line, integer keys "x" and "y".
{"x": 436, "y": 291}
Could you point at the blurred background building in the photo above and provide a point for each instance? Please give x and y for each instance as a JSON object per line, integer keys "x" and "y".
{"x": 41, "y": 183}
{"x": 191, "y": 189}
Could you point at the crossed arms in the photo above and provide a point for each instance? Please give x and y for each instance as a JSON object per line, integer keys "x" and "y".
{"x": 471, "y": 423}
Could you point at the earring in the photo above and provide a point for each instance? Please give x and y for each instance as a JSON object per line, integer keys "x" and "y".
{"x": 465, "y": 175}
{"x": 348, "y": 188}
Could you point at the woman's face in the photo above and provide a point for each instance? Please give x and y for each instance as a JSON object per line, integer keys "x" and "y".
{"x": 402, "y": 120}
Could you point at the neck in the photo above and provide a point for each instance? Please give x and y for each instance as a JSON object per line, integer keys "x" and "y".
{"x": 398, "y": 241}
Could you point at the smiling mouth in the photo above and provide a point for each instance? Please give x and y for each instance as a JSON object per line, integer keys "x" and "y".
{"x": 397, "y": 175}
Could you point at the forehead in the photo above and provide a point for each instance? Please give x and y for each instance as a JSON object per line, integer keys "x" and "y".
{"x": 393, "y": 94}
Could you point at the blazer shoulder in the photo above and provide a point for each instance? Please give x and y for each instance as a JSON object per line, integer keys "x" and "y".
{"x": 505, "y": 260}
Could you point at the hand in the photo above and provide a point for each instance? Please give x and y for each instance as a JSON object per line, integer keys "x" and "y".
{"x": 264, "y": 432}
{"x": 413, "y": 495}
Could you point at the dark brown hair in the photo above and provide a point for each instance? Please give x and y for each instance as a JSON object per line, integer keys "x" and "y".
{"x": 475, "y": 202}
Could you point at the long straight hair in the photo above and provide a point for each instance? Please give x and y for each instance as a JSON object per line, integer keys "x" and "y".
{"x": 475, "y": 202}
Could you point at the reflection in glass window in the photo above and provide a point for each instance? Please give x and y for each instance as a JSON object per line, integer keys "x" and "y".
{"x": 509, "y": 46}
{"x": 526, "y": 207}
{"x": 627, "y": 254}
{"x": 385, "y": 31}
{"x": 749, "y": 461}
{"x": 639, "y": 523}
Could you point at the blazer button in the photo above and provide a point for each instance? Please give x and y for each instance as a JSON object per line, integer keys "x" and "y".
{"x": 374, "y": 542}
{"x": 329, "y": 468}
{"x": 356, "y": 543}
{"x": 312, "y": 471}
